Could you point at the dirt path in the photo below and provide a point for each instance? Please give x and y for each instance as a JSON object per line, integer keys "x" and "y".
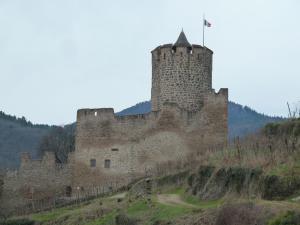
{"x": 121, "y": 195}
{"x": 173, "y": 199}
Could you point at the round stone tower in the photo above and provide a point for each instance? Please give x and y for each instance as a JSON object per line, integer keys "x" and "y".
{"x": 181, "y": 73}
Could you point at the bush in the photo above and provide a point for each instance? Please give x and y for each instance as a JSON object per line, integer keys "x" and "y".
{"x": 123, "y": 219}
{"x": 289, "y": 218}
{"x": 296, "y": 130}
{"x": 271, "y": 129}
{"x": 241, "y": 214}
{"x": 278, "y": 188}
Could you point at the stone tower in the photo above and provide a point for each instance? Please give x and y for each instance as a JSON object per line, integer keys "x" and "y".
{"x": 182, "y": 74}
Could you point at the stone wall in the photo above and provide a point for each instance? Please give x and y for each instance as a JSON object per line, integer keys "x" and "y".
{"x": 133, "y": 145}
{"x": 181, "y": 75}
{"x": 35, "y": 180}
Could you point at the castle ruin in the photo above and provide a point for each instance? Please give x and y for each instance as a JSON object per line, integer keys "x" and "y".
{"x": 187, "y": 116}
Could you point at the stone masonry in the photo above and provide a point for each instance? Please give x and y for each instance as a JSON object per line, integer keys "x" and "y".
{"x": 35, "y": 180}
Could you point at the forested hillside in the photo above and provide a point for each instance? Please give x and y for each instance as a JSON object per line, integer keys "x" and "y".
{"x": 18, "y": 135}
{"x": 243, "y": 120}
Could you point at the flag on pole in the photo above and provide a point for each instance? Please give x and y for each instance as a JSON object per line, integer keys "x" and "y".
{"x": 206, "y": 23}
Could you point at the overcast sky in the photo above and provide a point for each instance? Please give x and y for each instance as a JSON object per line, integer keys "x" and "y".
{"x": 61, "y": 55}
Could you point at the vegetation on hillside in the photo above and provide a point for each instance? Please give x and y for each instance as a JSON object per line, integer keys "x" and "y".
{"x": 169, "y": 203}
{"x": 60, "y": 140}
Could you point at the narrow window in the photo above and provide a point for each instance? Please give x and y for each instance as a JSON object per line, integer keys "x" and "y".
{"x": 95, "y": 113}
{"x": 198, "y": 56}
{"x": 114, "y": 149}
{"x": 93, "y": 162}
{"x": 107, "y": 163}
{"x": 68, "y": 191}
{"x": 164, "y": 55}
{"x": 181, "y": 54}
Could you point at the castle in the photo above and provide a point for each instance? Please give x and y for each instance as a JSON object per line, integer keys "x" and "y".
{"x": 187, "y": 116}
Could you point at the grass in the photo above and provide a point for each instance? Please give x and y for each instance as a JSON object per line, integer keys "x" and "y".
{"x": 72, "y": 212}
{"x": 146, "y": 212}
{"x": 167, "y": 212}
{"x": 51, "y": 215}
{"x": 155, "y": 211}
{"x": 138, "y": 208}
{"x": 105, "y": 220}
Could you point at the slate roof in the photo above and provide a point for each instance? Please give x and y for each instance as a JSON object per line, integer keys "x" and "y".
{"x": 182, "y": 41}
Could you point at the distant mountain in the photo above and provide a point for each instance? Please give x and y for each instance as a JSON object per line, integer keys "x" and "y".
{"x": 242, "y": 120}
{"x": 18, "y": 135}
{"x": 140, "y": 108}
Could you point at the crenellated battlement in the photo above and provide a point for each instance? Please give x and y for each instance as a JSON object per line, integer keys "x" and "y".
{"x": 99, "y": 113}
{"x": 162, "y": 52}
{"x": 105, "y": 114}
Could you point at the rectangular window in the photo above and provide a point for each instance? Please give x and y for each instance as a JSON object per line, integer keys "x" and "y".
{"x": 107, "y": 163}
{"x": 115, "y": 149}
{"x": 93, "y": 162}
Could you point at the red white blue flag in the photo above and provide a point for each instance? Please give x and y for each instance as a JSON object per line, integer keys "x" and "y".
{"x": 206, "y": 23}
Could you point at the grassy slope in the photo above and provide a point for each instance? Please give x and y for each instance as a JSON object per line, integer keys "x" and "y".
{"x": 142, "y": 211}
{"x": 138, "y": 209}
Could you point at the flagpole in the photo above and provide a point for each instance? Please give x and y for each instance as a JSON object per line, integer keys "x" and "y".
{"x": 203, "y": 27}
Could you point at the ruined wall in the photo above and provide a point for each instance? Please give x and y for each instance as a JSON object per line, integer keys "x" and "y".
{"x": 181, "y": 75}
{"x": 135, "y": 144}
{"x": 35, "y": 180}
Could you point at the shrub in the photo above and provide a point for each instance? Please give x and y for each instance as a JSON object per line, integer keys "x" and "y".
{"x": 242, "y": 214}
{"x": 296, "y": 130}
{"x": 271, "y": 129}
{"x": 289, "y": 218}
{"x": 278, "y": 188}
{"x": 123, "y": 219}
